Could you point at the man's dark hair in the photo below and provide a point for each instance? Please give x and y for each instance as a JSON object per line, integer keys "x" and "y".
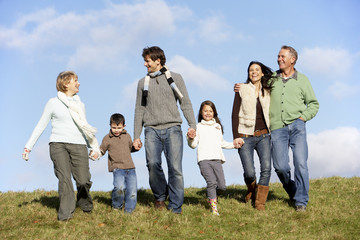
{"x": 117, "y": 118}
{"x": 154, "y": 53}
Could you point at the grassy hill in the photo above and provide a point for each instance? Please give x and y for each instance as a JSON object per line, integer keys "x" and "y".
{"x": 333, "y": 213}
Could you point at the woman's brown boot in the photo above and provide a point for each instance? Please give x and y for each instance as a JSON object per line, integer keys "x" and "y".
{"x": 251, "y": 192}
{"x": 261, "y": 196}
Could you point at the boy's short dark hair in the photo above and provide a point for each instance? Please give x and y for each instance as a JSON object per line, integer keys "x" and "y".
{"x": 117, "y": 118}
{"x": 155, "y": 53}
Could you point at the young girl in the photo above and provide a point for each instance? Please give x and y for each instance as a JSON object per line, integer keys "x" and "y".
{"x": 209, "y": 139}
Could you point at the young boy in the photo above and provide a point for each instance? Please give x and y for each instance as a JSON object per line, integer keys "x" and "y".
{"x": 119, "y": 145}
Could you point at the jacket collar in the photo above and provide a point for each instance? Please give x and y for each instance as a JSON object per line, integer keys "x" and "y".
{"x": 253, "y": 86}
{"x": 112, "y": 135}
{"x": 211, "y": 122}
{"x": 294, "y": 76}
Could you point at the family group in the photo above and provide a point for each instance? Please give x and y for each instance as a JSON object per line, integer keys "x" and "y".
{"x": 269, "y": 115}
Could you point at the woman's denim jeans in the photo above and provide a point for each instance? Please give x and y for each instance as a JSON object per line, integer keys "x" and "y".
{"x": 169, "y": 140}
{"x": 262, "y": 145}
{"x": 293, "y": 136}
{"x": 125, "y": 188}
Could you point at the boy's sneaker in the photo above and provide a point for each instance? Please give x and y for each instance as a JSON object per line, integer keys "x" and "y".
{"x": 300, "y": 208}
{"x": 128, "y": 211}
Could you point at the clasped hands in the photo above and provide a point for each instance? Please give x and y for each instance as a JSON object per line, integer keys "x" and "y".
{"x": 191, "y": 134}
{"x": 238, "y": 142}
{"x": 137, "y": 144}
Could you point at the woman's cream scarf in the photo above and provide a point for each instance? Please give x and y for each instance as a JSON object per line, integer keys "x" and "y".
{"x": 80, "y": 119}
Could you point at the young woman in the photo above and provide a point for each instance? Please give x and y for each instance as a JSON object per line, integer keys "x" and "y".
{"x": 70, "y": 136}
{"x": 250, "y": 123}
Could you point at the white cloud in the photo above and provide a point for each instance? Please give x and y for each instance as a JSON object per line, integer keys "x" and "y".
{"x": 194, "y": 74}
{"x": 334, "y": 152}
{"x": 341, "y": 90}
{"x": 102, "y": 38}
{"x": 17, "y": 36}
{"x": 330, "y": 62}
{"x": 213, "y": 29}
{"x": 46, "y": 28}
{"x": 97, "y": 39}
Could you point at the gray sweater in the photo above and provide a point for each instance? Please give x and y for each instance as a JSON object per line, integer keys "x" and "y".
{"x": 161, "y": 110}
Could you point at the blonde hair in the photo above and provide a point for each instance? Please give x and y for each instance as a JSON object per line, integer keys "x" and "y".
{"x": 63, "y": 79}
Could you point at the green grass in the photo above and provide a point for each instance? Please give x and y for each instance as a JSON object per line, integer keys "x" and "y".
{"x": 333, "y": 212}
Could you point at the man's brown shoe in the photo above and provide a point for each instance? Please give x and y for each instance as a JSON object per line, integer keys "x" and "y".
{"x": 159, "y": 205}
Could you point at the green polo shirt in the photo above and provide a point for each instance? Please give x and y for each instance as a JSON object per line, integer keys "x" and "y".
{"x": 291, "y": 99}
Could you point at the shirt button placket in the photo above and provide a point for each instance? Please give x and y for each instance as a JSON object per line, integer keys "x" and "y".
{"x": 282, "y": 102}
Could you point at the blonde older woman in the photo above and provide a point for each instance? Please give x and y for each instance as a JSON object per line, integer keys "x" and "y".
{"x": 69, "y": 139}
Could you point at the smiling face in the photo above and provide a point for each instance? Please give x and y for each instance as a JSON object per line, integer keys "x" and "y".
{"x": 116, "y": 129}
{"x": 72, "y": 87}
{"x": 207, "y": 113}
{"x": 152, "y": 66}
{"x": 285, "y": 60}
{"x": 255, "y": 73}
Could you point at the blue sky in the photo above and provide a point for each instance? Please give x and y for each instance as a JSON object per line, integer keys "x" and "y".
{"x": 209, "y": 42}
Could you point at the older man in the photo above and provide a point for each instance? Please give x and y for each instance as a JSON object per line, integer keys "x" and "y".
{"x": 293, "y": 103}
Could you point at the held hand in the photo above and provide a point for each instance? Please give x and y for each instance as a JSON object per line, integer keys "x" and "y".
{"x": 238, "y": 142}
{"x": 137, "y": 144}
{"x": 191, "y": 133}
{"x": 25, "y": 154}
{"x": 237, "y": 87}
{"x": 94, "y": 155}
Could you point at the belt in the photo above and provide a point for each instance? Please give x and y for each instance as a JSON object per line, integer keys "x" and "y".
{"x": 256, "y": 133}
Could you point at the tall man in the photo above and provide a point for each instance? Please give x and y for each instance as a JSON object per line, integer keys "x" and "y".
{"x": 293, "y": 103}
{"x": 156, "y": 109}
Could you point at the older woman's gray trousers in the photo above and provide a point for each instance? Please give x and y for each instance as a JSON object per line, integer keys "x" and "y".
{"x": 71, "y": 159}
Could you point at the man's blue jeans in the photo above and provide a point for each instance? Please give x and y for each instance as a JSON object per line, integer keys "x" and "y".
{"x": 293, "y": 136}
{"x": 125, "y": 188}
{"x": 169, "y": 140}
{"x": 262, "y": 145}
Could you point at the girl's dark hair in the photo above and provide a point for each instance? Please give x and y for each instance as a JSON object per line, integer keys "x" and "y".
{"x": 265, "y": 80}
{"x": 212, "y": 105}
{"x": 117, "y": 118}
